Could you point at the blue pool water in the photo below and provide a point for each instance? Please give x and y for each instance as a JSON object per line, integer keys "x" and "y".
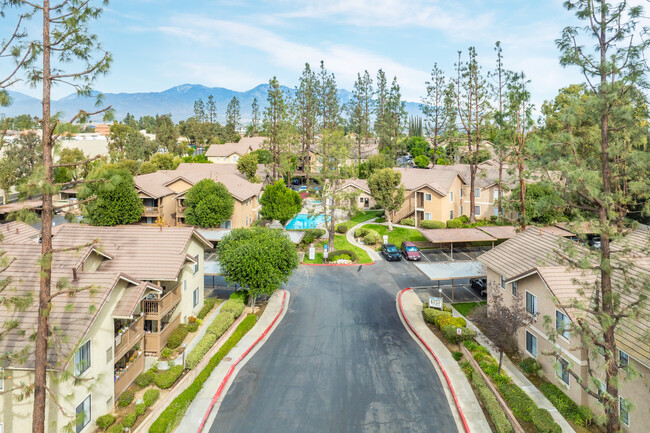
{"x": 305, "y": 221}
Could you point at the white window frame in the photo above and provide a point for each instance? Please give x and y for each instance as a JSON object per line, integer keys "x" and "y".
{"x": 451, "y": 196}
{"x": 195, "y": 297}
{"x": 427, "y": 197}
{"x": 563, "y": 370}
{"x": 503, "y": 282}
{"x": 566, "y": 323}
{"x": 196, "y": 265}
{"x": 477, "y": 210}
{"x": 477, "y": 192}
{"x": 534, "y": 299}
{"x": 78, "y": 428}
{"x": 625, "y": 421}
{"x": 513, "y": 288}
{"x": 533, "y": 338}
{"x": 428, "y": 216}
{"x": 77, "y": 372}
{"x": 496, "y": 194}
{"x": 623, "y": 358}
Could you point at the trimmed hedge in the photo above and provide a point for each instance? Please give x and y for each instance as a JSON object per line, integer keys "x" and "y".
{"x": 518, "y": 401}
{"x": 458, "y": 322}
{"x": 165, "y": 379}
{"x": 338, "y": 253}
{"x": 199, "y": 351}
{"x": 140, "y": 408}
{"x": 105, "y": 421}
{"x": 144, "y": 379}
{"x": 497, "y": 415}
{"x": 233, "y": 306}
{"x": 220, "y": 324}
{"x": 239, "y": 295}
{"x": 426, "y": 224}
{"x": 116, "y": 428}
{"x": 543, "y": 421}
{"x": 408, "y": 222}
{"x": 129, "y": 420}
{"x": 193, "y": 326}
{"x": 125, "y": 398}
{"x": 370, "y": 239}
{"x": 569, "y": 409}
{"x": 361, "y": 232}
{"x": 172, "y": 415}
{"x": 454, "y": 224}
{"x": 150, "y": 396}
{"x": 450, "y": 334}
{"x": 208, "y": 305}
{"x": 430, "y": 314}
{"x": 342, "y": 228}
{"x": 177, "y": 336}
{"x": 316, "y": 233}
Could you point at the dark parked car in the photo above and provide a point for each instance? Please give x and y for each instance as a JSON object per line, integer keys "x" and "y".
{"x": 391, "y": 252}
{"x": 410, "y": 251}
{"x": 479, "y": 285}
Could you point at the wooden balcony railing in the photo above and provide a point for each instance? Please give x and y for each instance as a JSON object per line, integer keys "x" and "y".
{"x": 128, "y": 339}
{"x": 151, "y": 211}
{"x": 156, "y": 309}
{"x": 128, "y": 376}
{"x": 155, "y": 341}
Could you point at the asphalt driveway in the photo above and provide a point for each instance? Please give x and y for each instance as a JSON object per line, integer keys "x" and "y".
{"x": 340, "y": 361}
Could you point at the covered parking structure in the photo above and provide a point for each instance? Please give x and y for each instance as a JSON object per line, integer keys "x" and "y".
{"x": 458, "y": 237}
{"x": 451, "y": 271}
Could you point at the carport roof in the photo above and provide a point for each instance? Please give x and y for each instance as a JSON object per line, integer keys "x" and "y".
{"x": 452, "y": 270}
{"x": 509, "y": 232}
{"x": 444, "y": 236}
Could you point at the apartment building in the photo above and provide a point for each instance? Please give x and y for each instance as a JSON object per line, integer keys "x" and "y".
{"x": 359, "y": 187}
{"x": 163, "y": 193}
{"x": 229, "y": 153}
{"x": 132, "y": 286}
{"x": 528, "y": 269}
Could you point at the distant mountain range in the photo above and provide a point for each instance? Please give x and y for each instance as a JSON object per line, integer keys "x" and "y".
{"x": 179, "y": 101}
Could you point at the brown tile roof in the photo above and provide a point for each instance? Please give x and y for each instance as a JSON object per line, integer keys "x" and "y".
{"x": 361, "y": 184}
{"x": 443, "y": 236}
{"x": 146, "y": 253}
{"x": 242, "y": 147}
{"x": 16, "y": 232}
{"x": 131, "y": 299}
{"x": 19, "y": 205}
{"x": 439, "y": 179}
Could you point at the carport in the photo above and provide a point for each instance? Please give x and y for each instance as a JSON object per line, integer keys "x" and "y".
{"x": 451, "y": 271}
{"x": 441, "y": 237}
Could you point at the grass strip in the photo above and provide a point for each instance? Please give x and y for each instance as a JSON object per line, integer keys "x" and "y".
{"x": 466, "y": 308}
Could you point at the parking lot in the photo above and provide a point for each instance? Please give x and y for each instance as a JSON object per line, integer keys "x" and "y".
{"x": 461, "y": 292}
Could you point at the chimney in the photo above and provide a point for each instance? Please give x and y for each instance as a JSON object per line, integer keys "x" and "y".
{"x": 74, "y": 274}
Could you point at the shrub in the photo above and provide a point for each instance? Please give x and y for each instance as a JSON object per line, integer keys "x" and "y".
{"x": 199, "y": 351}
{"x": 426, "y": 224}
{"x": 518, "y": 401}
{"x": 129, "y": 420}
{"x": 208, "y": 305}
{"x": 341, "y": 228}
{"x": 105, "y": 421}
{"x": 307, "y": 239}
{"x": 430, "y": 314}
{"x": 471, "y": 345}
{"x": 172, "y": 415}
{"x": 450, "y": 334}
{"x": 457, "y": 355}
{"x": 193, "y": 327}
{"x": 444, "y": 315}
{"x": 165, "y": 352}
{"x": 586, "y": 415}
{"x": 116, "y": 428}
{"x": 467, "y": 368}
{"x": 140, "y": 408}
{"x": 497, "y": 415}
{"x": 463, "y": 219}
{"x": 239, "y": 295}
{"x": 177, "y": 336}
{"x": 150, "y": 396}
{"x": 380, "y": 220}
{"x": 581, "y": 415}
{"x": 531, "y": 366}
{"x": 338, "y": 254}
{"x": 234, "y": 307}
{"x": 316, "y": 233}
{"x": 457, "y": 322}
{"x": 125, "y": 398}
{"x": 361, "y": 232}
{"x": 165, "y": 379}
{"x": 454, "y": 224}
{"x": 144, "y": 379}
{"x": 408, "y": 222}
{"x": 370, "y": 239}
{"x": 543, "y": 421}
{"x": 220, "y": 324}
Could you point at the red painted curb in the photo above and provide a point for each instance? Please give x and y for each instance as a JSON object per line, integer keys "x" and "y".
{"x": 453, "y": 393}
{"x": 232, "y": 367}
{"x": 338, "y": 264}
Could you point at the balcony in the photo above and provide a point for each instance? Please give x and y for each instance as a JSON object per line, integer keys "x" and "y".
{"x": 126, "y": 340}
{"x": 151, "y": 211}
{"x": 155, "y": 341}
{"x": 155, "y": 309}
{"x": 126, "y": 378}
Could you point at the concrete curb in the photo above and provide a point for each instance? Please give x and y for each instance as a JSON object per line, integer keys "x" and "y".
{"x": 469, "y": 414}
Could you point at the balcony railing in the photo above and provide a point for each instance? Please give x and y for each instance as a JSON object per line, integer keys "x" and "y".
{"x": 126, "y": 340}
{"x": 128, "y": 376}
{"x": 156, "y": 309}
{"x": 151, "y": 211}
{"x": 155, "y": 341}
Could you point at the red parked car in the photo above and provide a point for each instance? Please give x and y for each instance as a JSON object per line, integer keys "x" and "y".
{"x": 410, "y": 251}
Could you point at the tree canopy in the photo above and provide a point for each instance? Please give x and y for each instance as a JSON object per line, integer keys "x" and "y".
{"x": 279, "y": 202}
{"x": 209, "y": 204}
{"x": 387, "y": 190}
{"x": 247, "y": 165}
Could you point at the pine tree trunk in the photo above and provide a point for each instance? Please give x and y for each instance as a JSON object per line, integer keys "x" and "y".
{"x": 40, "y": 355}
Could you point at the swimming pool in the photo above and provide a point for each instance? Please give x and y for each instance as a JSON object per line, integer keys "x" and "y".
{"x": 305, "y": 221}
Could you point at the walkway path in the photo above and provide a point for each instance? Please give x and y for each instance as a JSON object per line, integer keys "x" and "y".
{"x": 204, "y": 327}
{"x": 374, "y": 255}
{"x": 519, "y": 379}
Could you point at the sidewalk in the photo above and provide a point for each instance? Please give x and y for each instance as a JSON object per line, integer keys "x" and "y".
{"x": 374, "y": 255}
{"x": 204, "y": 327}
{"x": 469, "y": 410}
{"x": 518, "y": 378}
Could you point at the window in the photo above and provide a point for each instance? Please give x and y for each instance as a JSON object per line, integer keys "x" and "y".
{"x": 195, "y": 297}
{"x": 531, "y": 344}
{"x": 514, "y": 288}
{"x": 503, "y": 282}
{"x": 563, "y": 370}
{"x": 477, "y": 210}
{"x": 623, "y": 358}
{"x": 82, "y": 359}
{"x": 562, "y": 324}
{"x": 83, "y": 414}
{"x": 427, "y": 197}
{"x": 496, "y": 211}
{"x": 531, "y": 303}
{"x": 360, "y": 199}
{"x": 496, "y": 194}
{"x": 451, "y": 196}
{"x": 461, "y": 192}
{"x": 624, "y": 409}
{"x": 428, "y": 216}
{"x": 451, "y": 214}
{"x": 185, "y": 283}
{"x": 225, "y": 224}
{"x": 461, "y": 208}
{"x": 477, "y": 192}
{"x": 196, "y": 265}
{"x": 109, "y": 354}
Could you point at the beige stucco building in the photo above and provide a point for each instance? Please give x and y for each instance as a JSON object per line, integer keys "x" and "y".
{"x": 145, "y": 282}
{"x": 359, "y": 189}
{"x": 229, "y": 153}
{"x": 527, "y": 269}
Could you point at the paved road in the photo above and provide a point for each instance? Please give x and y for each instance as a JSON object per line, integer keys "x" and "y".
{"x": 340, "y": 361}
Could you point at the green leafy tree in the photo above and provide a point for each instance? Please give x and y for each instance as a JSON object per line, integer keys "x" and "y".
{"x": 259, "y": 259}
{"x": 167, "y": 134}
{"x": 233, "y": 119}
{"x": 253, "y": 128}
{"x": 359, "y": 111}
{"x": 160, "y": 161}
{"x": 75, "y": 170}
{"x": 372, "y": 164}
{"x": 422, "y": 161}
{"x": 305, "y": 107}
{"x": 126, "y": 142}
{"x": 247, "y": 165}
{"x": 437, "y": 107}
{"x": 277, "y": 124}
{"x": 263, "y": 156}
{"x": 113, "y": 197}
{"x": 148, "y": 123}
{"x": 329, "y": 100}
{"x": 129, "y": 120}
{"x": 20, "y": 158}
{"x": 280, "y": 203}
{"x": 209, "y": 204}
{"x": 544, "y": 203}
{"x": 387, "y": 190}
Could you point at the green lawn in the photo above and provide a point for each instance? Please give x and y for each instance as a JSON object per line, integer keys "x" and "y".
{"x": 466, "y": 308}
{"x": 398, "y": 235}
{"x": 340, "y": 243}
{"x": 360, "y": 217}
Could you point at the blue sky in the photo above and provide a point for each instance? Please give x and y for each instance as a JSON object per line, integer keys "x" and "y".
{"x": 157, "y": 44}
